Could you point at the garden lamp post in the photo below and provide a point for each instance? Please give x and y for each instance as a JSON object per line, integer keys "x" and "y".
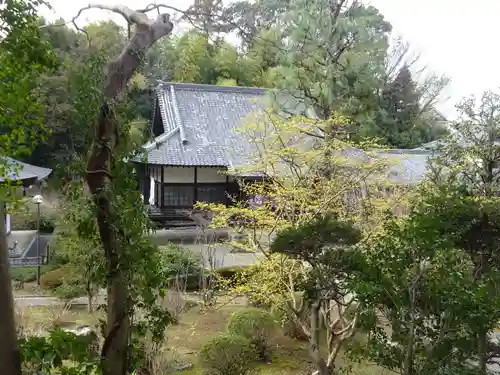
{"x": 37, "y": 199}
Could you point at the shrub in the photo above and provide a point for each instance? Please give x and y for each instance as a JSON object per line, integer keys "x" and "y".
{"x": 180, "y": 261}
{"x": 28, "y": 274}
{"x": 23, "y": 274}
{"x": 53, "y": 279}
{"x": 28, "y": 221}
{"x": 269, "y": 281}
{"x": 227, "y": 355}
{"x": 47, "y": 223}
{"x": 232, "y": 274}
{"x": 257, "y": 325}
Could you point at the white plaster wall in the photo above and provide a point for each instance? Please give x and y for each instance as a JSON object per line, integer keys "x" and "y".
{"x": 7, "y": 223}
{"x": 178, "y": 174}
{"x": 210, "y": 175}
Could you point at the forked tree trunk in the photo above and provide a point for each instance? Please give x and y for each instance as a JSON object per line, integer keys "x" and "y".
{"x": 314, "y": 340}
{"x": 10, "y": 361}
{"x": 115, "y": 348}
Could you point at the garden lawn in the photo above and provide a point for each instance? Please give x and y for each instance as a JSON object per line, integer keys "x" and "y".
{"x": 290, "y": 357}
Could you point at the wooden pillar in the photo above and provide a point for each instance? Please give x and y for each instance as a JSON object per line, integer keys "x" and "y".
{"x": 228, "y": 200}
{"x": 162, "y": 188}
{"x": 195, "y": 186}
{"x": 146, "y": 183}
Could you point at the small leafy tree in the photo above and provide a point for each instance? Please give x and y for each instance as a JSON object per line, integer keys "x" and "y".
{"x": 81, "y": 255}
{"x": 469, "y": 161}
{"x": 310, "y": 190}
{"x": 23, "y": 57}
{"x": 435, "y": 275}
{"x": 325, "y": 244}
{"x": 418, "y": 297}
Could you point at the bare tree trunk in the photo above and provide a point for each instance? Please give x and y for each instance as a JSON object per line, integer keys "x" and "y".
{"x": 99, "y": 170}
{"x": 90, "y": 307}
{"x": 314, "y": 346}
{"x": 10, "y": 360}
{"x": 483, "y": 355}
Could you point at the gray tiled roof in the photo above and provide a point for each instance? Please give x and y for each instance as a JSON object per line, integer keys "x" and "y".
{"x": 17, "y": 170}
{"x": 201, "y": 125}
{"x": 406, "y": 166}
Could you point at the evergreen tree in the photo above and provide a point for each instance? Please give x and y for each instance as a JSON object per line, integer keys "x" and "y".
{"x": 333, "y": 57}
{"x": 206, "y": 15}
{"x": 401, "y": 108}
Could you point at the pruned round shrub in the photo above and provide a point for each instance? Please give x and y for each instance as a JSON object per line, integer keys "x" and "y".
{"x": 53, "y": 279}
{"x": 228, "y": 354}
{"x": 257, "y": 325}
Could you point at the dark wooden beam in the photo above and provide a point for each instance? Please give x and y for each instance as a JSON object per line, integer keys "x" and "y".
{"x": 227, "y": 190}
{"x": 195, "y": 187}
{"x": 146, "y": 183}
{"x": 162, "y": 188}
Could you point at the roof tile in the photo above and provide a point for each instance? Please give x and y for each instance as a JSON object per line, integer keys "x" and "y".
{"x": 209, "y": 116}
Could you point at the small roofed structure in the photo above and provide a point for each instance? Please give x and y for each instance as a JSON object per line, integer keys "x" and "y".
{"x": 18, "y": 171}
{"x": 25, "y": 174}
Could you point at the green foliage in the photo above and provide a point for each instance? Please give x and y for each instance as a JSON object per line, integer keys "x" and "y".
{"x": 59, "y": 352}
{"x": 179, "y": 261}
{"x": 400, "y": 122}
{"x": 306, "y": 207}
{"x": 28, "y": 220}
{"x": 268, "y": 282}
{"x": 28, "y": 274}
{"x": 318, "y": 50}
{"x": 23, "y": 57}
{"x": 53, "y": 279}
{"x": 308, "y": 240}
{"x": 255, "y": 324}
{"x": 233, "y": 274}
{"x": 275, "y": 283}
{"x": 227, "y": 355}
{"x": 249, "y": 18}
{"x": 326, "y": 244}
{"x": 290, "y": 314}
{"x": 81, "y": 255}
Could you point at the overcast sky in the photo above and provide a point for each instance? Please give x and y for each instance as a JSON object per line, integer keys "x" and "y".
{"x": 457, "y": 38}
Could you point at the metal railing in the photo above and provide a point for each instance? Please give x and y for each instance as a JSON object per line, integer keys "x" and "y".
{"x": 27, "y": 261}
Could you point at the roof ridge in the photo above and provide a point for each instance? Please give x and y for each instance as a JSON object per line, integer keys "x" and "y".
{"x": 162, "y": 138}
{"x": 416, "y": 151}
{"x": 177, "y": 116}
{"x": 164, "y": 103}
{"x": 214, "y": 88}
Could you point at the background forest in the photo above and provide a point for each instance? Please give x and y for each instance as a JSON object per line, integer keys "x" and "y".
{"x": 374, "y": 78}
{"x": 351, "y": 272}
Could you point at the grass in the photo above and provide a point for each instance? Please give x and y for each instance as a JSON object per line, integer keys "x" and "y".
{"x": 183, "y": 341}
{"x": 290, "y": 357}
{"x": 39, "y": 319}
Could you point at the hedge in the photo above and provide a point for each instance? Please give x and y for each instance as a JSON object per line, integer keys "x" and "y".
{"x": 28, "y": 274}
{"x": 194, "y": 281}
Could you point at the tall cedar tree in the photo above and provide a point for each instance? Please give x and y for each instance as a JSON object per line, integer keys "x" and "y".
{"x": 401, "y": 106}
